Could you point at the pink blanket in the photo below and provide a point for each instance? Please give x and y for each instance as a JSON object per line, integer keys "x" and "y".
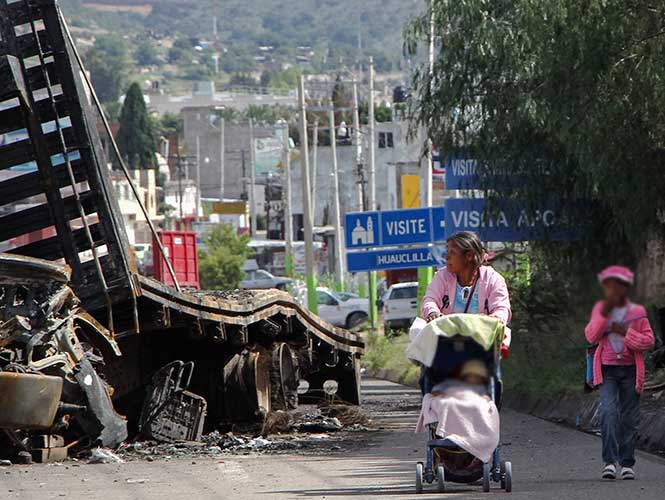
{"x": 464, "y": 416}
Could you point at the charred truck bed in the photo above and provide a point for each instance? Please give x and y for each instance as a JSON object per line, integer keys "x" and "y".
{"x": 78, "y": 323}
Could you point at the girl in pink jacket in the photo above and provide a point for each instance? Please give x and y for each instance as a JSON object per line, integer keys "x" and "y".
{"x": 623, "y": 333}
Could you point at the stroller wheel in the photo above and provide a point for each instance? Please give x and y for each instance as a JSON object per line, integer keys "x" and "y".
{"x": 486, "y": 478}
{"x": 441, "y": 479}
{"x": 502, "y": 474}
{"x": 419, "y": 477}
{"x": 508, "y": 477}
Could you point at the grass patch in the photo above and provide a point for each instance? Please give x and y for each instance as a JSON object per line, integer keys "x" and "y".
{"x": 386, "y": 356}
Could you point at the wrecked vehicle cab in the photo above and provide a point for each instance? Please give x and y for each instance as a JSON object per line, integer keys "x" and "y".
{"x": 50, "y": 350}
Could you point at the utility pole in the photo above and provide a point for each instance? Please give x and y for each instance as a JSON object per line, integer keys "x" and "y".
{"x": 373, "y": 312}
{"x": 198, "y": 178}
{"x": 358, "y": 144}
{"x": 222, "y": 153}
{"x": 180, "y": 185}
{"x": 315, "y": 164}
{"x": 252, "y": 181}
{"x": 286, "y": 199}
{"x": 306, "y": 204}
{"x": 182, "y": 163}
{"x": 425, "y": 274}
{"x": 339, "y": 257}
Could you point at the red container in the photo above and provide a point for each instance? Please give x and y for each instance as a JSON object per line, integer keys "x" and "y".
{"x": 401, "y": 276}
{"x": 180, "y": 247}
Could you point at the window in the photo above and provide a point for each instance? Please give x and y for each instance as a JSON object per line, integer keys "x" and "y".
{"x": 386, "y": 140}
{"x": 325, "y": 299}
{"x": 262, "y": 275}
{"x": 408, "y": 292}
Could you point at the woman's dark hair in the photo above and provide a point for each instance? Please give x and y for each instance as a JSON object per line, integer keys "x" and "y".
{"x": 468, "y": 241}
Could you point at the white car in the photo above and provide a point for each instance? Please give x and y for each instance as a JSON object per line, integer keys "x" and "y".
{"x": 400, "y": 306}
{"x": 340, "y": 310}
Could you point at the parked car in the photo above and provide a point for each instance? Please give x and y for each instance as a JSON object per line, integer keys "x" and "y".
{"x": 400, "y": 306}
{"x": 344, "y": 296}
{"x": 343, "y": 309}
{"x": 261, "y": 279}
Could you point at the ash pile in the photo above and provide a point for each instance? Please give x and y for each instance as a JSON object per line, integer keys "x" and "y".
{"x": 314, "y": 430}
{"x": 52, "y": 397}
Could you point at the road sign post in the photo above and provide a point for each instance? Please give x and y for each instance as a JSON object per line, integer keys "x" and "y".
{"x": 395, "y": 229}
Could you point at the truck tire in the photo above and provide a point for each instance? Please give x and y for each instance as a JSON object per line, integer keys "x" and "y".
{"x": 283, "y": 378}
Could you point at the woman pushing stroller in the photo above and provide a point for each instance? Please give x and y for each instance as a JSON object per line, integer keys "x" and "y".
{"x": 460, "y": 354}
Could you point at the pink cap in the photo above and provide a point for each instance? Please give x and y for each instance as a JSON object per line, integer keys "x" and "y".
{"x": 620, "y": 273}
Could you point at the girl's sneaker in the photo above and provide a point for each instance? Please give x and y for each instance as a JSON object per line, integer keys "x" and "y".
{"x": 609, "y": 472}
{"x": 627, "y": 473}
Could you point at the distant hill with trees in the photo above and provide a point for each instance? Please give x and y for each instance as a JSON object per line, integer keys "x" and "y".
{"x": 332, "y": 28}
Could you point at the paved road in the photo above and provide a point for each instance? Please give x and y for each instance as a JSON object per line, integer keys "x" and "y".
{"x": 550, "y": 462}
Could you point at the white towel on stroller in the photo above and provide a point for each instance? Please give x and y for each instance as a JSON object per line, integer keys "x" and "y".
{"x": 465, "y": 416}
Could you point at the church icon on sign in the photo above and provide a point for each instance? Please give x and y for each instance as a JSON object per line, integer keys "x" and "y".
{"x": 363, "y": 235}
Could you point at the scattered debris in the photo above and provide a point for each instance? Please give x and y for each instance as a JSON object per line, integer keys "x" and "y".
{"x": 276, "y": 422}
{"x": 170, "y": 412}
{"x": 347, "y": 415}
{"x": 296, "y": 431}
{"x": 137, "y": 481}
{"x": 322, "y": 424}
{"x": 104, "y": 456}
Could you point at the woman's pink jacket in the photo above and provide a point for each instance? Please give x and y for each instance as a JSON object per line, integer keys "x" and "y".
{"x": 492, "y": 294}
{"x": 639, "y": 339}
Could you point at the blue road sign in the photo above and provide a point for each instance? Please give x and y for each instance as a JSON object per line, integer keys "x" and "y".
{"x": 461, "y": 173}
{"x": 362, "y": 230}
{"x": 394, "y": 227}
{"x": 509, "y": 221}
{"x": 438, "y": 224}
{"x": 397, "y": 258}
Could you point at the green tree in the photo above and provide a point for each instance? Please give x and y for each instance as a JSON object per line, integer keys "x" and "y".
{"x": 109, "y": 64}
{"x": 383, "y": 113}
{"x": 567, "y": 95}
{"x": 220, "y": 264}
{"x": 171, "y": 123}
{"x": 136, "y": 136}
{"x": 146, "y": 55}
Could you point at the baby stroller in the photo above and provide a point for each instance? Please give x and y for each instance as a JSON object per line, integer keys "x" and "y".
{"x": 442, "y": 347}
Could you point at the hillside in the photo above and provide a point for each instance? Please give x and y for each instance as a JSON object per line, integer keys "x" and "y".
{"x": 331, "y": 27}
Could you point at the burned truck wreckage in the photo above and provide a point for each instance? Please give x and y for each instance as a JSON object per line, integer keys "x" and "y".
{"x": 91, "y": 352}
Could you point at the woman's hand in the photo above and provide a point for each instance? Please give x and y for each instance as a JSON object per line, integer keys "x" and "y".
{"x": 618, "y": 328}
{"x": 432, "y": 316}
